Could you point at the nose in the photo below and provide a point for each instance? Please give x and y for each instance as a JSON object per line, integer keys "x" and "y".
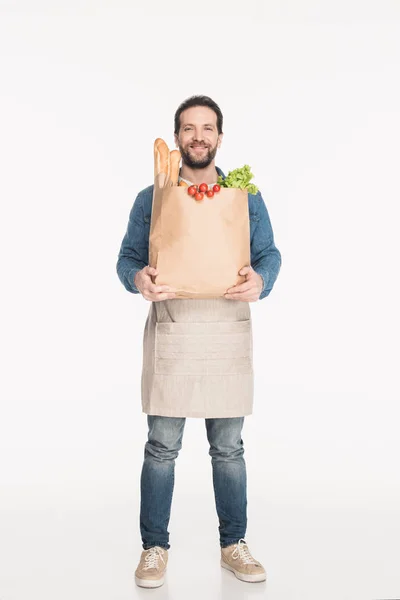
{"x": 198, "y": 136}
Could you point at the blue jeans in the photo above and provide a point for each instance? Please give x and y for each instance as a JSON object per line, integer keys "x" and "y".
{"x": 157, "y": 478}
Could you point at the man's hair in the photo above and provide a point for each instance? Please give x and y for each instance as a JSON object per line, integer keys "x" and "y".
{"x": 198, "y": 101}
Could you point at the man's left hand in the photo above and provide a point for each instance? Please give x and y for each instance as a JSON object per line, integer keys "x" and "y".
{"x": 250, "y": 290}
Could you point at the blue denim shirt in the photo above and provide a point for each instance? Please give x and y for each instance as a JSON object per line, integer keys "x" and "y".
{"x": 134, "y": 253}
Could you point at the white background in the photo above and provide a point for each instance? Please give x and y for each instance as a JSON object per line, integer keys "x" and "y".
{"x": 310, "y": 94}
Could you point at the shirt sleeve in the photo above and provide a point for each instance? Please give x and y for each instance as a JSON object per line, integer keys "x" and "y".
{"x": 266, "y": 259}
{"x": 133, "y": 254}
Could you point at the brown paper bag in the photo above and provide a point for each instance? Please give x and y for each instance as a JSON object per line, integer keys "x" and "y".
{"x": 198, "y": 247}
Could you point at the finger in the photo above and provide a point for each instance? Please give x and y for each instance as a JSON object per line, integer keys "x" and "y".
{"x": 236, "y": 297}
{"x": 241, "y": 295}
{"x": 160, "y": 296}
{"x": 163, "y": 296}
{"x": 242, "y": 287}
{"x": 151, "y": 270}
{"x": 245, "y": 270}
{"x": 156, "y": 289}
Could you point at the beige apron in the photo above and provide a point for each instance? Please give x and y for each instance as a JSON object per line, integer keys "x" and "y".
{"x": 198, "y": 358}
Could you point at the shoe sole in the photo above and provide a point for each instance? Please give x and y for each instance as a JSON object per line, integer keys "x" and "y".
{"x": 149, "y": 583}
{"x": 245, "y": 577}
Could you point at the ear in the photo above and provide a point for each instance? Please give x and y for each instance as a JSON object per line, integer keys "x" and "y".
{"x": 221, "y": 135}
{"x": 176, "y": 140}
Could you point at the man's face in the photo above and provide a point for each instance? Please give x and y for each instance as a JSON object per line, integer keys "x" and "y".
{"x": 198, "y": 138}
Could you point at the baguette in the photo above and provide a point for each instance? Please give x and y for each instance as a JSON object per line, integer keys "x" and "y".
{"x": 162, "y": 165}
{"x": 183, "y": 183}
{"x": 175, "y": 159}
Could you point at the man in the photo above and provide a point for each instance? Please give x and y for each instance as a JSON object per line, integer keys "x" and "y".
{"x": 198, "y": 135}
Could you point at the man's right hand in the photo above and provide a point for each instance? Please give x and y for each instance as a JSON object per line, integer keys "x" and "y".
{"x": 148, "y": 289}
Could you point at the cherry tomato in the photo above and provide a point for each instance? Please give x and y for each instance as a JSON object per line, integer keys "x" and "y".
{"x": 210, "y": 194}
{"x": 216, "y": 188}
{"x": 199, "y": 196}
{"x": 192, "y": 190}
{"x": 203, "y": 187}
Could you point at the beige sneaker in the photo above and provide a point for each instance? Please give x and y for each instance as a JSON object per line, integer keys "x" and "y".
{"x": 237, "y": 558}
{"x": 152, "y": 567}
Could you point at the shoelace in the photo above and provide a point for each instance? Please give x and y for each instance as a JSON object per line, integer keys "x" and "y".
{"x": 151, "y": 558}
{"x": 241, "y": 550}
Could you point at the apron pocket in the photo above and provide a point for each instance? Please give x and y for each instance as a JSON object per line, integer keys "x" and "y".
{"x": 222, "y": 348}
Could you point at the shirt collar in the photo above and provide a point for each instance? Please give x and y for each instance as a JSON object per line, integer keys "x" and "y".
{"x": 219, "y": 171}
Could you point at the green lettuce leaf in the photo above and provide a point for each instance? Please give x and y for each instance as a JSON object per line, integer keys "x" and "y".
{"x": 239, "y": 178}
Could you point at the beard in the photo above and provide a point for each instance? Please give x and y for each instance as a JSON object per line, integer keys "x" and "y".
{"x": 191, "y": 159}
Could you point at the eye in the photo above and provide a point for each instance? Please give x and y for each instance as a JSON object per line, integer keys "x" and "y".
{"x": 186, "y": 128}
{"x": 210, "y": 128}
